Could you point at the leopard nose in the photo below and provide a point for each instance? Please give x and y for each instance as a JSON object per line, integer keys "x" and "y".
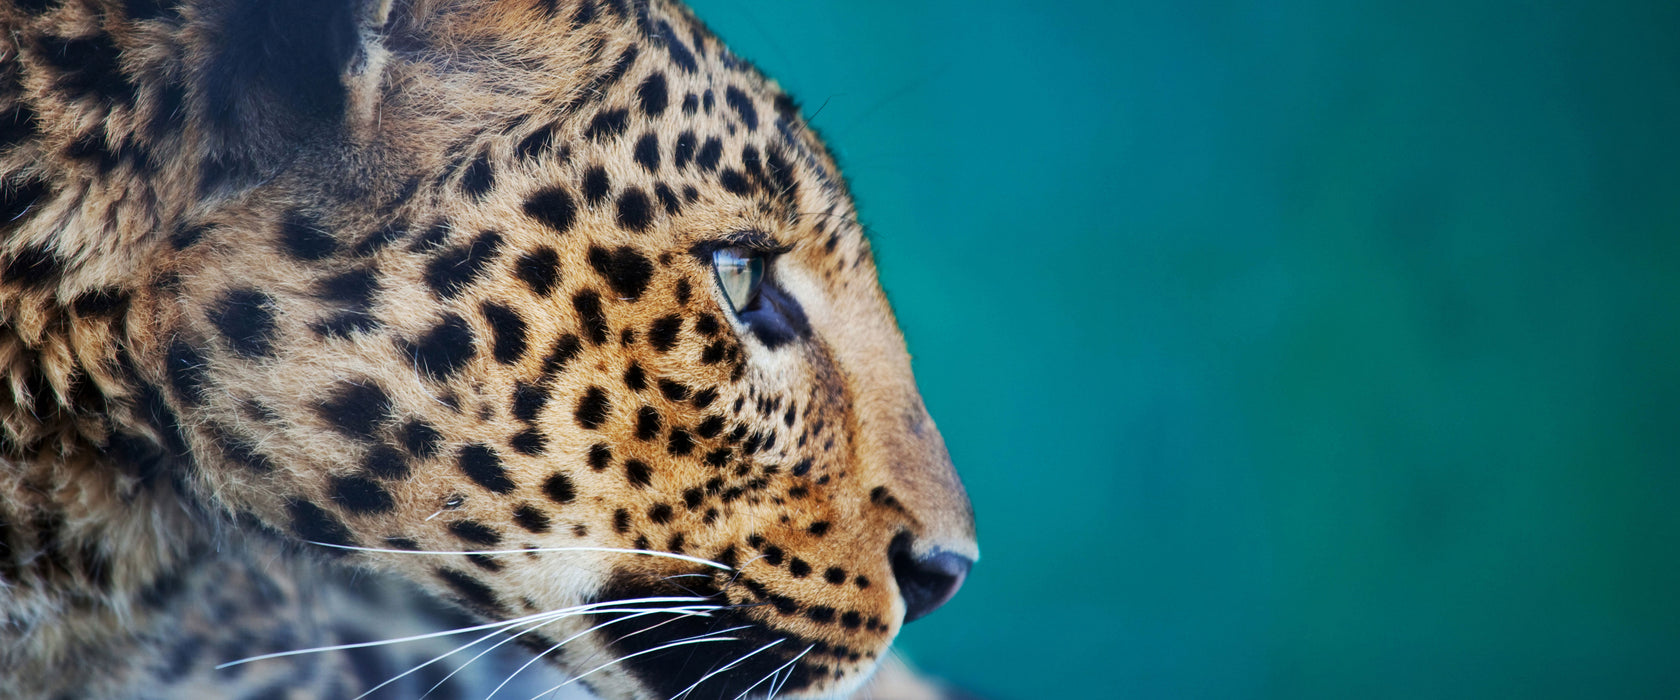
{"x": 925, "y": 581}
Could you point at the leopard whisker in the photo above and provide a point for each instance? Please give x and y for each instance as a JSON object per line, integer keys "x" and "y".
{"x": 776, "y": 672}
{"x": 460, "y": 630}
{"x": 554, "y": 616}
{"x": 611, "y": 550}
{"x": 681, "y": 642}
{"x": 732, "y": 664}
{"x": 568, "y": 640}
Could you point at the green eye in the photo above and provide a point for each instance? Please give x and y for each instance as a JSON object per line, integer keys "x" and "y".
{"x": 739, "y": 272}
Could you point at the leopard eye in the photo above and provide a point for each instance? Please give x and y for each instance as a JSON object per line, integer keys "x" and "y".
{"x": 739, "y": 273}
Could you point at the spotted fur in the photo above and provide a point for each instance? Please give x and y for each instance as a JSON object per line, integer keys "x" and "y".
{"x": 283, "y": 282}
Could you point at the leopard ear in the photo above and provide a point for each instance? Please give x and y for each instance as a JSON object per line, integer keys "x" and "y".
{"x": 272, "y": 73}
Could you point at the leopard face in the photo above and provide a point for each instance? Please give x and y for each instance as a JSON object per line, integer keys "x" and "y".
{"x": 543, "y": 305}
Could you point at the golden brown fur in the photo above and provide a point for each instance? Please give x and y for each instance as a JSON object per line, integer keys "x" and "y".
{"x": 411, "y": 276}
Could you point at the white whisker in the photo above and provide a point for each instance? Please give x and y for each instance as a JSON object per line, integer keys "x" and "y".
{"x": 553, "y": 617}
{"x": 460, "y": 630}
{"x": 732, "y": 664}
{"x": 568, "y": 640}
{"x": 661, "y": 647}
{"x": 612, "y": 550}
{"x": 774, "y": 673}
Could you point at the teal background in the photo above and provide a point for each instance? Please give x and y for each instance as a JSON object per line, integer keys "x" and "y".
{"x": 1288, "y": 349}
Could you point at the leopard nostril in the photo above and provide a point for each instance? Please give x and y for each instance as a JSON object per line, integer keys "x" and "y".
{"x": 927, "y": 581}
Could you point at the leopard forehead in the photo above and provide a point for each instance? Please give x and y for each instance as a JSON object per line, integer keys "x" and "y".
{"x": 458, "y": 302}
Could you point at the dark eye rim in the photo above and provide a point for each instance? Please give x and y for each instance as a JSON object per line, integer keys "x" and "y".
{"x": 773, "y": 315}
{"x": 758, "y": 242}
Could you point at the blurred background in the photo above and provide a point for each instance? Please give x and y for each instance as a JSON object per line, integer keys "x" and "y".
{"x": 1289, "y": 349}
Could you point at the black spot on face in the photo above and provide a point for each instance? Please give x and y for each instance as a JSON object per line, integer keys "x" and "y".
{"x": 529, "y": 400}
{"x": 420, "y": 439}
{"x": 529, "y": 441}
{"x": 303, "y": 237}
{"x": 484, "y": 467}
{"x": 353, "y": 290}
{"x": 527, "y": 516}
{"x": 540, "y": 270}
{"x": 475, "y": 532}
{"x": 680, "y": 54}
{"x": 553, "y": 207}
{"x": 625, "y": 270}
{"x": 647, "y": 424}
{"x": 434, "y": 237}
{"x": 652, "y": 95}
{"x": 356, "y": 409}
{"x": 647, "y": 151}
{"x": 638, "y": 473}
{"x": 596, "y": 185}
{"x": 18, "y": 123}
{"x": 683, "y": 151}
{"x": 710, "y": 154}
{"x": 599, "y": 457}
{"x": 707, "y": 325}
{"x": 565, "y": 350}
{"x": 443, "y": 350}
{"x": 662, "y": 335}
{"x": 386, "y": 462}
{"x": 187, "y": 235}
{"x": 743, "y": 107}
{"x": 558, "y": 487}
{"x": 507, "y": 333}
{"x": 710, "y": 427}
{"x": 359, "y": 494}
{"x": 479, "y": 177}
{"x": 102, "y": 302}
{"x": 621, "y": 521}
{"x": 635, "y": 378}
{"x": 593, "y": 408}
{"x": 835, "y": 575}
{"x": 799, "y": 568}
{"x": 245, "y": 319}
{"x": 312, "y": 524}
{"x": 594, "y": 320}
{"x": 690, "y": 104}
{"x": 820, "y": 613}
{"x": 734, "y": 182}
{"x": 607, "y": 124}
{"x": 87, "y": 67}
{"x": 659, "y": 513}
{"x": 535, "y": 144}
{"x": 667, "y": 199}
{"x": 674, "y": 391}
{"x": 680, "y": 443}
{"x": 471, "y": 590}
{"x": 186, "y": 372}
{"x": 453, "y": 270}
{"x": 635, "y": 210}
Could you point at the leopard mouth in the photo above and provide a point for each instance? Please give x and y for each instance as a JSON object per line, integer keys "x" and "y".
{"x": 721, "y": 654}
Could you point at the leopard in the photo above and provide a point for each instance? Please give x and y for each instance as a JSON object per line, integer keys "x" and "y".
{"x": 333, "y": 326}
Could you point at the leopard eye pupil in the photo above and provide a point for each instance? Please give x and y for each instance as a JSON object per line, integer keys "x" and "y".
{"x": 739, "y": 273}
